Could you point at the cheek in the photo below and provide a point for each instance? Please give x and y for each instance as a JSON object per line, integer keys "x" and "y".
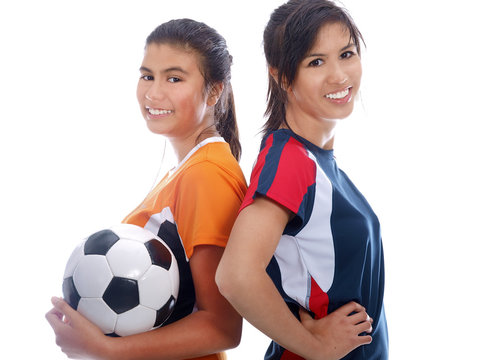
{"x": 305, "y": 88}
{"x": 140, "y": 93}
{"x": 194, "y": 101}
{"x": 356, "y": 73}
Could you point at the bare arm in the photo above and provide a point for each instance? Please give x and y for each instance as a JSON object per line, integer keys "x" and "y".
{"x": 215, "y": 327}
{"x": 242, "y": 279}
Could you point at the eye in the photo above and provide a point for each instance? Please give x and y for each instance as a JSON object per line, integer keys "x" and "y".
{"x": 146, "y": 77}
{"x": 347, "y": 55}
{"x": 173, "y": 79}
{"x": 316, "y": 62}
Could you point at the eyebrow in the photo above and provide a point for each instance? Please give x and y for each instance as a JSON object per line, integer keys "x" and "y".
{"x": 322, "y": 55}
{"x": 167, "y": 70}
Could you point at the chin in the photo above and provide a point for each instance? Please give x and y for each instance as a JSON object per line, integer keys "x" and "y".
{"x": 155, "y": 130}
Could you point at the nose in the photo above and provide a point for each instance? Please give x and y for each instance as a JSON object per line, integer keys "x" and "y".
{"x": 337, "y": 74}
{"x": 154, "y": 91}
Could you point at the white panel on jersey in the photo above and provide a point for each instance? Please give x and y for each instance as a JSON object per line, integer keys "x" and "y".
{"x": 316, "y": 246}
{"x": 311, "y": 251}
{"x": 156, "y": 220}
{"x": 292, "y": 269}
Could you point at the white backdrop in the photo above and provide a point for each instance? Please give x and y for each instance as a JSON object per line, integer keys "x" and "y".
{"x": 75, "y": 155}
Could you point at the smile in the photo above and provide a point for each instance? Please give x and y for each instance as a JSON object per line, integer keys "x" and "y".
{"x": 339, "y": 95}
{"x": 159, "y": 111}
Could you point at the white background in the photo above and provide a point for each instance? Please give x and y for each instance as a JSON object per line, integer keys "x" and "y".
{"x": 76, "y": 156}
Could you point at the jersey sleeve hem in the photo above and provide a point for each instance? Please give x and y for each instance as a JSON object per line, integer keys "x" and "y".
{"x": 201, "y": 242}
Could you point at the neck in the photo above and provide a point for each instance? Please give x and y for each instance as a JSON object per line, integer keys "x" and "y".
{"x": 181, "y": 147}
{"x": 320, "y": 132}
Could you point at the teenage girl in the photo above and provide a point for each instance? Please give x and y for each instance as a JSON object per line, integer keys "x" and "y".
{"x": 306, "y": 244}
{"x": 185, "y": 95}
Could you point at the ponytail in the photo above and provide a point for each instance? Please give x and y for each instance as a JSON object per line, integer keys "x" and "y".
{"x": 226, "y": 121}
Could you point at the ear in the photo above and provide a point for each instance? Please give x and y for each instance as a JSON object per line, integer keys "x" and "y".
{"x": 214, "y": 94}
{"x": 274, "y": 74}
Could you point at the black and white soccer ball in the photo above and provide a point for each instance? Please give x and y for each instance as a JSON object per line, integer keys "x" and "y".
{"x": 124, "y": 279}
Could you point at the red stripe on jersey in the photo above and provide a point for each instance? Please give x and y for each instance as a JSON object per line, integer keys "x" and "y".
{"x": 318, "y": 300}
{"x": 293, "y": 157}
{"x": 287, "y": 355}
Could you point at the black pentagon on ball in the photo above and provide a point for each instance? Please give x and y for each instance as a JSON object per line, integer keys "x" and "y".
{"x": 159, "y": 254}
{"x": 70, "y": 293}
{"x": 100, "y": 242}
{"x": 164, "y": 312}
{"x": 121, "y": 294}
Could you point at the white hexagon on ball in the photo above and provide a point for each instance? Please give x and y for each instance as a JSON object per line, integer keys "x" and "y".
{"x": 92, "y": 276}
{"x": 151, "y": 294}
{"x": 136, "y": 320}
{"x": 97, "y": 311}
{"x": 129, "y": 259}
{"x": 133, "y": 232}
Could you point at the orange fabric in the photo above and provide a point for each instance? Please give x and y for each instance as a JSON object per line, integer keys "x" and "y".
{"x": 204, "y": 194}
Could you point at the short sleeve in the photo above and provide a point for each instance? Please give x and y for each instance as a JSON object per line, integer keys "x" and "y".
{"x": 207, "y": 205}
{"x": 285, "y": 173}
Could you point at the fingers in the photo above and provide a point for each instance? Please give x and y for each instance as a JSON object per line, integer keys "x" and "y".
{"x": 354, "y": 314}
{"x": 60, "y": 304}
{"x": 362, "y": 322}
{"x": 364, "y": 340}
{"x": 62, "y": 311}
{"x": 53, "y": 316}
{"x": 364, "y": 327}
{"x": 360, "y": 317}
{"x": 56, "y": 320}
{"x": 351, "y": 307}
{"x": 63, "y": 307}
{"x": 54, "y": 313}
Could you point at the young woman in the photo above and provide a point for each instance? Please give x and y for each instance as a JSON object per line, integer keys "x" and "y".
{"x": 184, "y": 94}
{"x": 306, "y": 244}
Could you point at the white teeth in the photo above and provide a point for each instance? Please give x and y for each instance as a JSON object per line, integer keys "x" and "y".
{"x": 159, "y": 112}
{"x": 338, "y": 95}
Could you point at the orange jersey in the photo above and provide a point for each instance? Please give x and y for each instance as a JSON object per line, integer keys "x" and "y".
{"x": 195, "y": 204}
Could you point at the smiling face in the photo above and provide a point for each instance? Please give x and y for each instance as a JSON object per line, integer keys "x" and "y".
{"x": 327, "y": 80}
{"x": 171, "y": 93}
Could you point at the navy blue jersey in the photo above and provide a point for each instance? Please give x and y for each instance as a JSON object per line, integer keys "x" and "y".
{"x": 331, "y": 252}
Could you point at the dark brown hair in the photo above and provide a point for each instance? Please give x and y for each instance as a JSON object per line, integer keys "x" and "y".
{"x": 215, "y": 64}
{"x": 288, "y": 36}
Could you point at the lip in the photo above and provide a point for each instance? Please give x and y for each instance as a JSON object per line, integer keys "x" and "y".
{"x": 346, "y": 99}
{"x": 161, "y": 113}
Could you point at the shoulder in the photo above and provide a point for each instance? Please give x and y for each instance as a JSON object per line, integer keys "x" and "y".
{"x": 284, "y": 171}
{"x": 212, "y": 159}
{"x": 210, "y": 189}
{"x": 282, "y": 144}
{"x": 281, "y": 151}
{"x": 213, "y": 165}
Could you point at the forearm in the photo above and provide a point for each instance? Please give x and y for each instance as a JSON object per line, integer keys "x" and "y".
{"x": 196, "y": 335}
{"x": 243, "y": 280}
{"x": 255, "y": 297}
{"x": 215, "y": 327}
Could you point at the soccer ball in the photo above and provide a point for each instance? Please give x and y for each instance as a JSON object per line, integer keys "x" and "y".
{"x": 124, "y": 279}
